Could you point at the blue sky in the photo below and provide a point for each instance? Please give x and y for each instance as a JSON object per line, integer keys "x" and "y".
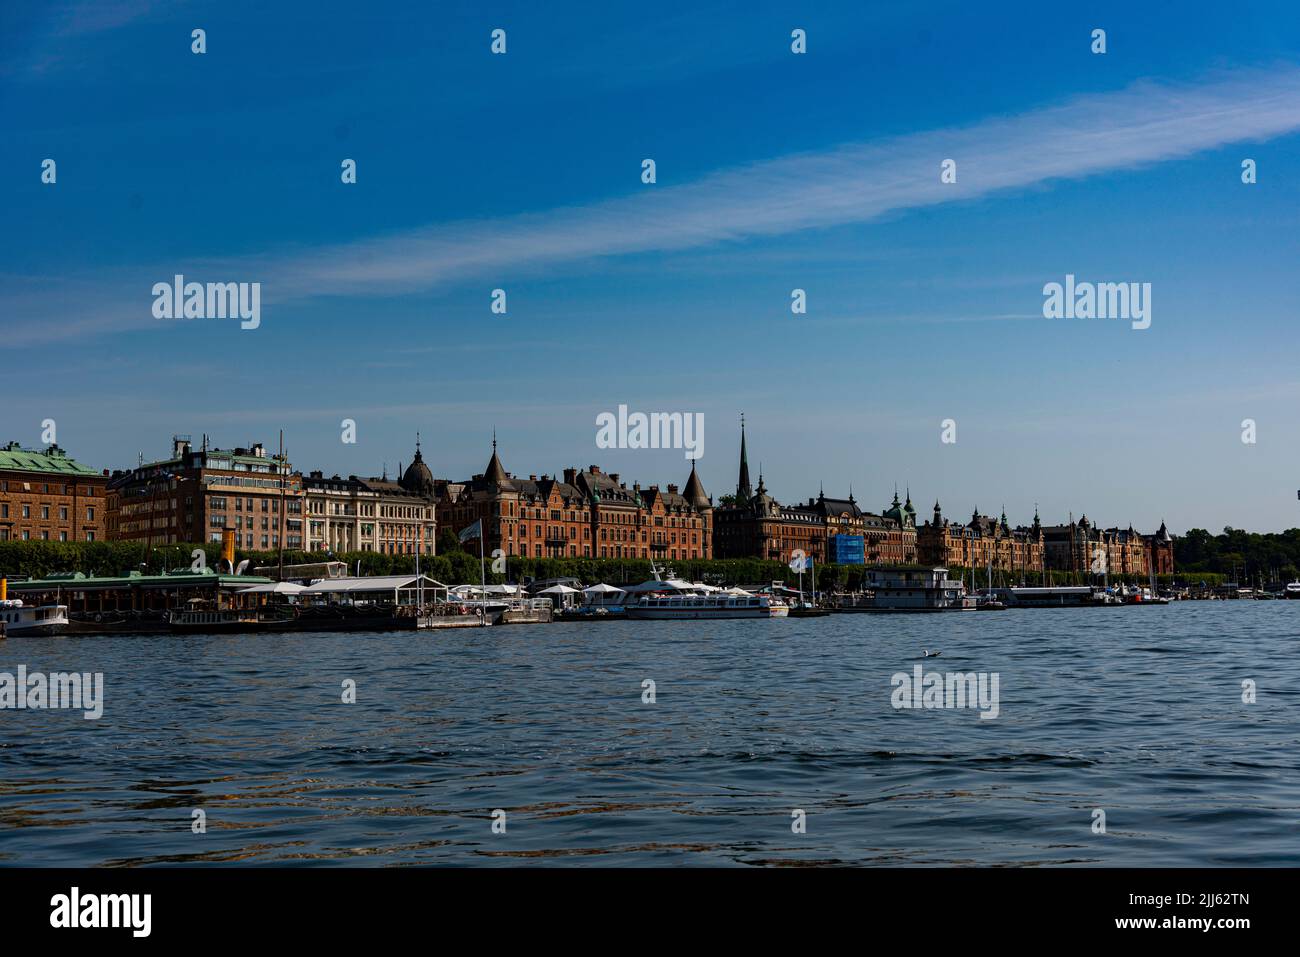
{"x": 775, "y": 172}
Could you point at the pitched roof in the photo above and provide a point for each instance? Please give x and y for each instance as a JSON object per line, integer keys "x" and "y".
{"x": 694, "y": 491}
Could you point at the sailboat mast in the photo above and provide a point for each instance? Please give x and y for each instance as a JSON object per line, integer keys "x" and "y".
{"x": 280, "y": 537}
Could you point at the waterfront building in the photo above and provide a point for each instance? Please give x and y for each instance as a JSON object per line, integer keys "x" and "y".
{"x": 752, "y": 524}
{"x": 585, "y": 514}
{"x": 391, "y": 517}
{"x": 47, "y": 496}
{"x": 1083, "y": 549}
{"x": 761, "y": 527}
{"x": 1160, "y": 551}
{"x": 981, "y": 542}
{"x": 196, "y": 494}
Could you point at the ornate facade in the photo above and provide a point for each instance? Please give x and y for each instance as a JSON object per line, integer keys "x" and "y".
{"x": 981, "y": 542}
{"x": 374, "y": 514}
{"x": 587, "y": 514}
{"x": 755, "y": 525}
{"x": 1083, "y": 549}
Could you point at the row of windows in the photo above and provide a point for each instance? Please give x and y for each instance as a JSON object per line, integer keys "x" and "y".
{"x": 89, "y": 491}
{"x": 45, "y": 512}
{"x": 26, "y": 536}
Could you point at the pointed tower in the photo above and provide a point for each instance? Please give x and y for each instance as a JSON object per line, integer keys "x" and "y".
{"x": 694, "y": 491}
{"x": 495, "y": 472}
{"x": 743, "y": 490}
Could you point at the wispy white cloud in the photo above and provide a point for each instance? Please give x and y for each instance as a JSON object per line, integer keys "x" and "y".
{"x": 1147, "y": 123}
{"x": 1144, "y": 124}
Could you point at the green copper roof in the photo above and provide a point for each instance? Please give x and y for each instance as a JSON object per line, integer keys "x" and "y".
{"x": 15, "y": 458}
{"x": 177, "y": 579}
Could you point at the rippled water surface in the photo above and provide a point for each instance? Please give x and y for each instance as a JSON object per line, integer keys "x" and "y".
{"x": 1136, "y": 711}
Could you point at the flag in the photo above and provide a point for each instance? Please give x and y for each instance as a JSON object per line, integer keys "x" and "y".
{"x": 473, "y": 531}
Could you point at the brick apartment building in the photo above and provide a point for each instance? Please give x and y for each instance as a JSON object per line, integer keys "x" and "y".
{"x": 197, "y": 493}
{"x": 47, "y": 496}
{"x": 585, "y": 514}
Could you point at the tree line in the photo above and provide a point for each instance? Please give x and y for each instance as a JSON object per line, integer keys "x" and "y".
{"x": 1240, "y": 556}
{"x": 456, "y": 566}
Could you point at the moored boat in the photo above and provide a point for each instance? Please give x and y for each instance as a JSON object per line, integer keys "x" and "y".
{"x": 217, "y": 620}
{"x": 22, "y": 619}
{"x": 908, "y": 589}
{"x": 716, "y": 605}
{"x": 1292, "y": 590}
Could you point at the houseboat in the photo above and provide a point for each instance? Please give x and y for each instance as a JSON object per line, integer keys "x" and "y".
{"x": 907, "y": 589}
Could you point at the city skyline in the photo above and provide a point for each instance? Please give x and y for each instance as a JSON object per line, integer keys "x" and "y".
{"x": 818, "y": 171}
{"x": 392, "y": 470}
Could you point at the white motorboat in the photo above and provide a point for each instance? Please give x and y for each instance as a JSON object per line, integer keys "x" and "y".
{"x": 20, "y": 619}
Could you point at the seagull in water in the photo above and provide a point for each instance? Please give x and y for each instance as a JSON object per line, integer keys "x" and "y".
{"x": 930, "y": 654}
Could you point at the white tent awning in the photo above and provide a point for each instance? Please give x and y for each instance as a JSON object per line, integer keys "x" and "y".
{"x": 274, "y": 588}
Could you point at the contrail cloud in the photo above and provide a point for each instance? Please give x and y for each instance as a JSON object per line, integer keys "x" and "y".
{"x": 1146, "y": 123}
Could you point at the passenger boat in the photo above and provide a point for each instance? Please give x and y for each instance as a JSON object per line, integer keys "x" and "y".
{"x": 1059, "y": 596}
{"x": 20, "y": 619}
{"x": 715, "y": 605}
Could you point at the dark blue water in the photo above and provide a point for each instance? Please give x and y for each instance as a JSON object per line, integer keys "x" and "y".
{"x": 1136, "y": 711}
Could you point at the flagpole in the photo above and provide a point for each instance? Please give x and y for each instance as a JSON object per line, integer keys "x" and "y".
{"x": 482, "y": 568}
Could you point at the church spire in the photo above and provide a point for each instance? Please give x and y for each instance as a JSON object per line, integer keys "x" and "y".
{"x": 743, "y": 490}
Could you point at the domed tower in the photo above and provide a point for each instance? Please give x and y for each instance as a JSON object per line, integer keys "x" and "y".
{"x": 909, "y": 510}
{"x": 763, "y": 504}
{"x": 895, "y": 510}
{"x": 417, "y": 477}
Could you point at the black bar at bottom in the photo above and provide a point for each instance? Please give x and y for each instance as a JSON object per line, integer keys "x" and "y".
{"x": 331, "y": 906}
